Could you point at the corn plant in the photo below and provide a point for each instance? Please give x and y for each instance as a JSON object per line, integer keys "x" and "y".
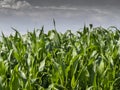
{"x": 85, "y": 60}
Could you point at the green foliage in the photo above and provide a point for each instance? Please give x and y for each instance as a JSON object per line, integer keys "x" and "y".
{"x": 87, "y": 60}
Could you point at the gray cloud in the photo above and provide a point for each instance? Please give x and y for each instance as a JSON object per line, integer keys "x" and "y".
{"x": 13, "y": 4}
{"x": 41, "y": 15}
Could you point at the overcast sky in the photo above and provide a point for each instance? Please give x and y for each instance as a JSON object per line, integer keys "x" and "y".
{"x": 69, "y": 14}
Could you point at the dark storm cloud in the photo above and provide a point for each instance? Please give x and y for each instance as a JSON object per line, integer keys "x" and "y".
{"x": 75, "y": 2}
{"x": 58, "y": 4}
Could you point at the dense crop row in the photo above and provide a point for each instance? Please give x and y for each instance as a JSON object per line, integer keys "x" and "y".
{"x": 87, "y": 60}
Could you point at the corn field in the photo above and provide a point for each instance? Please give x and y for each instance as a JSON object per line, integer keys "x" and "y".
{"x": 85, "y": 60}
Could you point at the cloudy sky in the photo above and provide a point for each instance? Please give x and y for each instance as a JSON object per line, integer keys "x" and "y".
{"x": 69, "y": 14}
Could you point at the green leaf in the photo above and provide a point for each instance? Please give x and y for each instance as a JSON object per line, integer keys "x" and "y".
{"x": 101, "y": 66}
{"x": 73, "y": 82}
{"x": 42, "y": 65}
